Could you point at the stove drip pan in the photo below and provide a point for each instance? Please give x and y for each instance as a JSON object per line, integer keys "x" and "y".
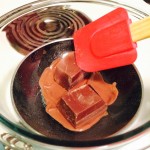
{"x": 42, "y": 26}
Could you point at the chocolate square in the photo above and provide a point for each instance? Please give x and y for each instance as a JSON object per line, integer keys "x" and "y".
{"x": 80, "y": 104}
{"x": 67, "y": 73}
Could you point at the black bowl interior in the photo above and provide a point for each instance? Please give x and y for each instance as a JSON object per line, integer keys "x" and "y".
{"x": 28, "y": 101}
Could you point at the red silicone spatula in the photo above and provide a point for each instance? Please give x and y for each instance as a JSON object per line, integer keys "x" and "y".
{"x": 109, "y": 42}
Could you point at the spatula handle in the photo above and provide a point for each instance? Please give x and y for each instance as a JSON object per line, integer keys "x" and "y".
{"x": 140, "y": 30}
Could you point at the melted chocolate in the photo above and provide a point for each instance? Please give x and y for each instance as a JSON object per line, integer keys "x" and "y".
{"x": 75, "y": 100}
{"x": 49, "y": 86}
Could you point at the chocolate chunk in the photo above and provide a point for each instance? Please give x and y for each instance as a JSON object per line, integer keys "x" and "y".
{"x": 80, "y": 104}
{"x": 67, "y": 73}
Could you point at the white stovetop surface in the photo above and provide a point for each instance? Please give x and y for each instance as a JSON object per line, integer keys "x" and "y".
{"x": 8, "y": 5}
